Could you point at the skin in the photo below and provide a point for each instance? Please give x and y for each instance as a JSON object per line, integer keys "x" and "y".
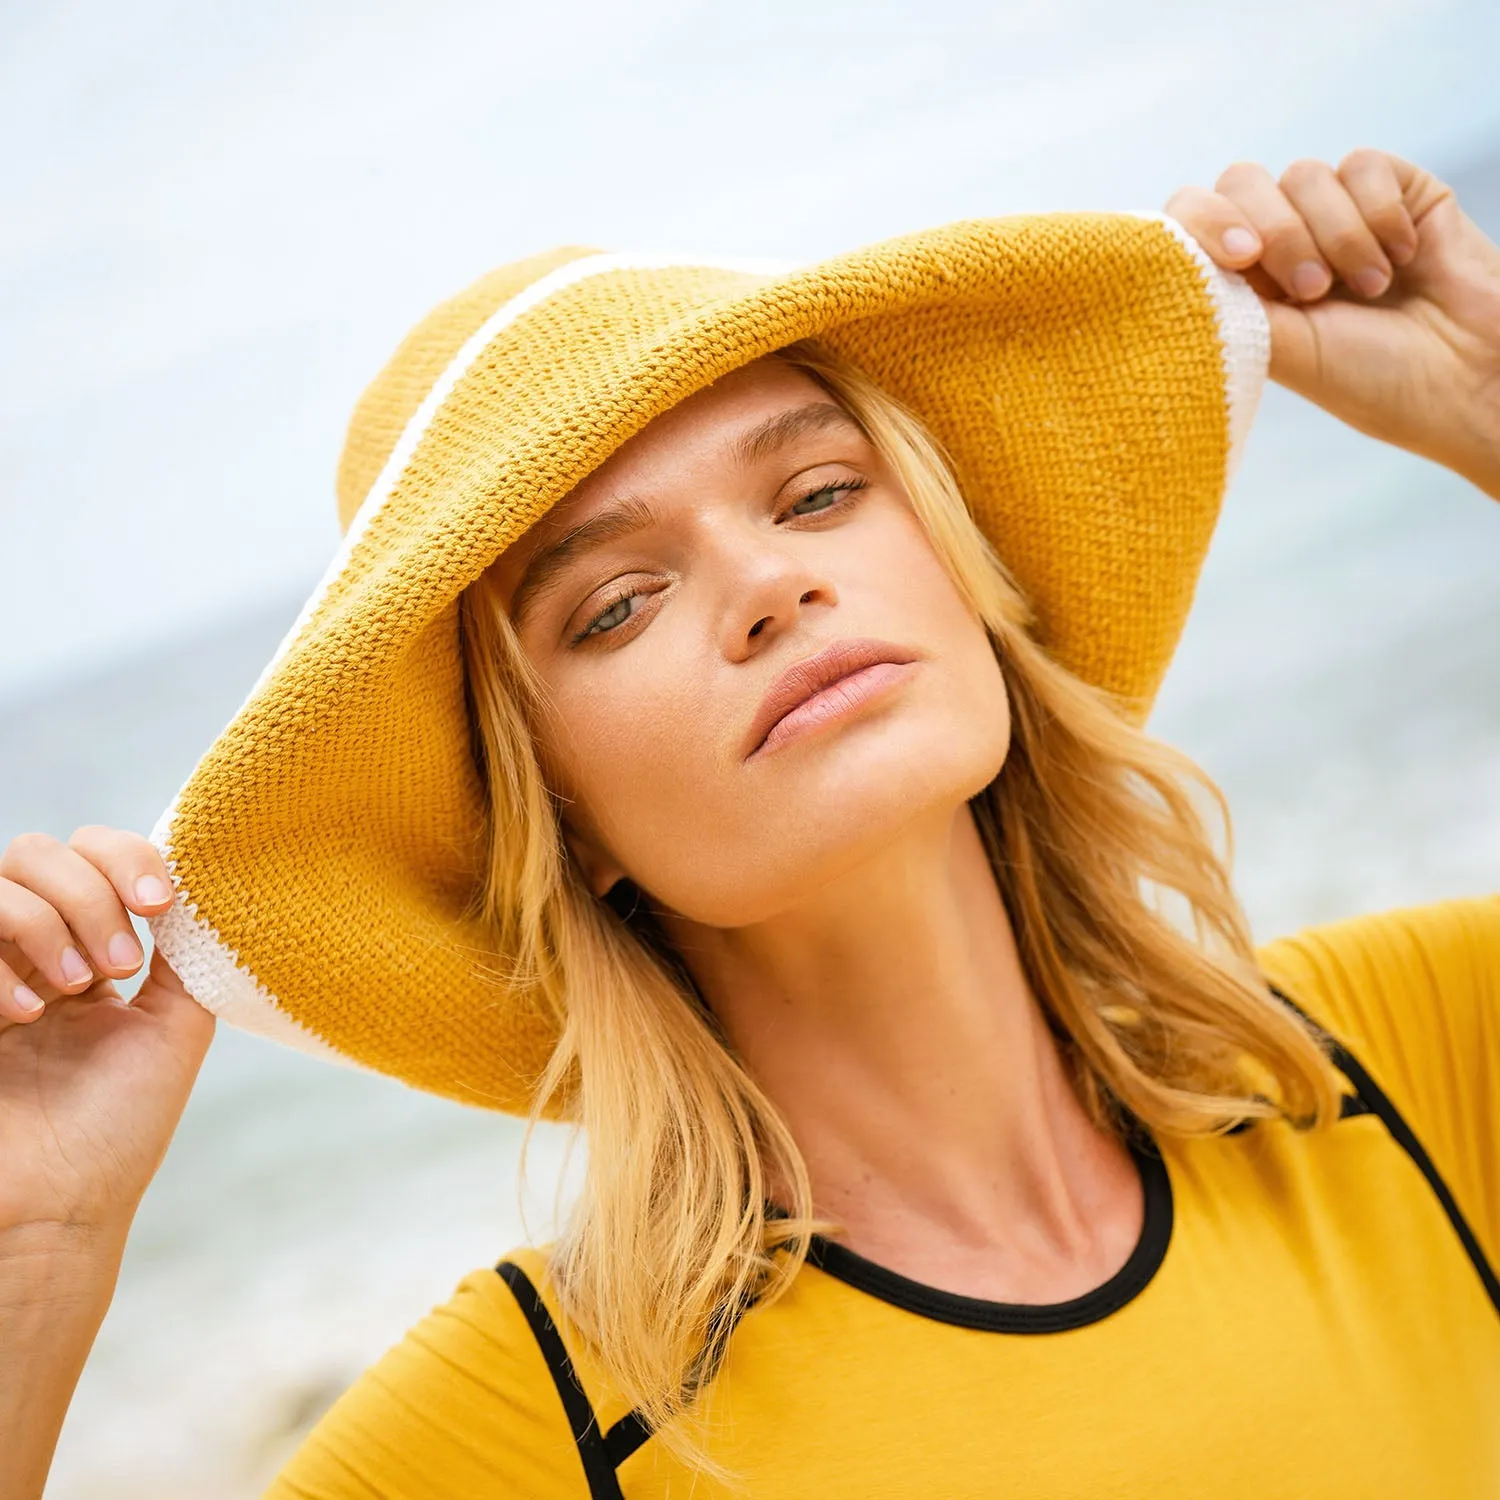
{"x": 844, "y": 924}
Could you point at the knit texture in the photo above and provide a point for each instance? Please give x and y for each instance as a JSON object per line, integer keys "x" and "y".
{"x": 1077, "y": 368}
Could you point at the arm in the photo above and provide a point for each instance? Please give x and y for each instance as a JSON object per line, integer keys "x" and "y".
{"x": 1382, "y": 295}
{"x": 53, "y": 1297}
{"x": 91, "y": 1089}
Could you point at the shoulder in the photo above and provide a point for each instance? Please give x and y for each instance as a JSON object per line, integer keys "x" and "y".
{"x": 1394, "y": 976}
{"x": 464, "y": 1404}
{"x": 1414, "y": 995}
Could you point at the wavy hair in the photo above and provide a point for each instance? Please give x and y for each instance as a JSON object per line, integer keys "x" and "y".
{"x": 1102, "y": 842}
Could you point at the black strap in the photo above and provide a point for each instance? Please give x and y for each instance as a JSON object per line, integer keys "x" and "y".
{"x": 1376, "y": 1102}
{"x": 593, "y": 1447}
{"x": 601, "y": 1455}
{"x": 626, "y": 1436}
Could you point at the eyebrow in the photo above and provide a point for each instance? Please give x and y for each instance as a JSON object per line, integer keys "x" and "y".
{"x": 612, "y": 524}
{"x": 632, "y": 514}
{"x": 787, "y": 426}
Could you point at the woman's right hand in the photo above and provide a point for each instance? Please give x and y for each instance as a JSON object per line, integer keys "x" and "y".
{"x": 91, "y": 1087}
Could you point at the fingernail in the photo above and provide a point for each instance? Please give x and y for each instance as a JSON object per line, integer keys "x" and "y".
{"x": 1372, "y": 281}
{"x": 1240, "y": 242}
{"x": 74, "y": 969}
{"x": 1402, "y": 251}
{"x": 1310, "y": 280}
{"x": 152, "y": 890}
{"x": 28, "y": 999}
{"x": 123, "y": 951}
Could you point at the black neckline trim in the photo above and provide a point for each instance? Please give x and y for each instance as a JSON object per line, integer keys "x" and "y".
{"x": 1024, "y": 1317}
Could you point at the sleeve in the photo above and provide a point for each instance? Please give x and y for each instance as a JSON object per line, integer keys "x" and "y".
{"x": 1415, "y": 996}
{"x": 463, "y": 1405}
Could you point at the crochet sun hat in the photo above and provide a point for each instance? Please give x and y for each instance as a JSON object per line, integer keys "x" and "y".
{"x": 1091, "y": 377}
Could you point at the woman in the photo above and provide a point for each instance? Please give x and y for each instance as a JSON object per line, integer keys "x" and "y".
{"x": 668, "y": 750}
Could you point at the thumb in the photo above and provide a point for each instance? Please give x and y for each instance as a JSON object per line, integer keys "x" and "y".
{"x": 165, "y": 999}
{"x": 1296, "y": 359}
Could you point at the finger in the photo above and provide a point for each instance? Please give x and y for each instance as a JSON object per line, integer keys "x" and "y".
{"x": 37, "y": 981}
{"x": 1217, "y": 224}
{"x": 1347, "y": 243}
{"x": 1371, "y": 181}
{"x": 32, "y": 926}
{"x": 18, "y": 1001}
{"x": 30, "y": 974}
{"x": 1262, "y": 284}
{"x": 132, "y": 864}
{"x": 1291, "y": 257}
{"x": 82, "y": 898}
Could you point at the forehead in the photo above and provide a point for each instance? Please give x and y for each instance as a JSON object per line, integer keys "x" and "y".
{"x": 699, "y": 430}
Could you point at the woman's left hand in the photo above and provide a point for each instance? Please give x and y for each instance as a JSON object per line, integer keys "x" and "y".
{"x": 1383, "y": 297}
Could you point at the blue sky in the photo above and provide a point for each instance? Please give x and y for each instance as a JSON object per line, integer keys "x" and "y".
{"x": 219, "y": 220}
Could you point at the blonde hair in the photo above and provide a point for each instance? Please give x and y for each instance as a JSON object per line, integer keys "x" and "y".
{"x": 1130, "y": 935}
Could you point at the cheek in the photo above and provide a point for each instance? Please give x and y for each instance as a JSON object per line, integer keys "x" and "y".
{"x": 956, "y": 733}
{"x": 634, "y": 752}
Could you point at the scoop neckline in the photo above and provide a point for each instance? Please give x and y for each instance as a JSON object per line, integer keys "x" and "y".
{"x": 1122, "y": 1288}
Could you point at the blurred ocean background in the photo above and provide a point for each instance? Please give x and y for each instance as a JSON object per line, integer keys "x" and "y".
{"x": 217, "y": 223}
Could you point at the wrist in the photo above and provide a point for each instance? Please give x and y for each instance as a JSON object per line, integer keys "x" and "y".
{"x": 58, "y": 1264}
{"x": 1482, "y": 469}
{"x": 1483, "y": 446}
{"x": 1469, "y": 444}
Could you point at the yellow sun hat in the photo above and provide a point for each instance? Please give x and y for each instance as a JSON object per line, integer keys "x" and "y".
{"x": 1091, "y": 376}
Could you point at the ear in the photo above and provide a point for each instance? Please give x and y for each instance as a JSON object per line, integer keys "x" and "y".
{"x": 601, "y": 871}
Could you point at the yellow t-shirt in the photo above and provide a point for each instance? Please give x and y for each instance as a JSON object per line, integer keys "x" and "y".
{"x": 1301, "y": 1316}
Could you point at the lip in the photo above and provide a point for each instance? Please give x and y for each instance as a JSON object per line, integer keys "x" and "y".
{"x": 806, "y": 680}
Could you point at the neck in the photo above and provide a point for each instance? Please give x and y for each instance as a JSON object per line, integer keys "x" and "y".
{"x": 889, "y": 1018}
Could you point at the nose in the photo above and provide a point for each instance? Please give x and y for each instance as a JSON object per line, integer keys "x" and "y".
{"x": 770, "y": 583}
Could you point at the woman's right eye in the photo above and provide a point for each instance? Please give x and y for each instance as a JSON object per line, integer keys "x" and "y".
{"x": 610, "y": 618}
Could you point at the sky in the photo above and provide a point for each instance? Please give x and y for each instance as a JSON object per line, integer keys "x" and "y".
{"x": 216, "y": 222}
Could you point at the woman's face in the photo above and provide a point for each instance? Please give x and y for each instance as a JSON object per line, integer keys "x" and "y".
{"x": 678, "y": 605}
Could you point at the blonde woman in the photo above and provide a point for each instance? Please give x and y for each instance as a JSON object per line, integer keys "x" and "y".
{"x": 721, "y": 728}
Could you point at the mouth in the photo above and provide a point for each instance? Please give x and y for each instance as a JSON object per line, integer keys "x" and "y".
{"x": 837, "y": 682}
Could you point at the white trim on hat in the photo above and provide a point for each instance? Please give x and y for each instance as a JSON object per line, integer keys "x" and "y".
{"x": 213, "y": 975}
{"x": 1244, "y": 335}
{"x": 210, "y": 970}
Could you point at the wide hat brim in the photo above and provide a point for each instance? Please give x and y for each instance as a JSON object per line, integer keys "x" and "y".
{"x": 1091, "y": 376}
